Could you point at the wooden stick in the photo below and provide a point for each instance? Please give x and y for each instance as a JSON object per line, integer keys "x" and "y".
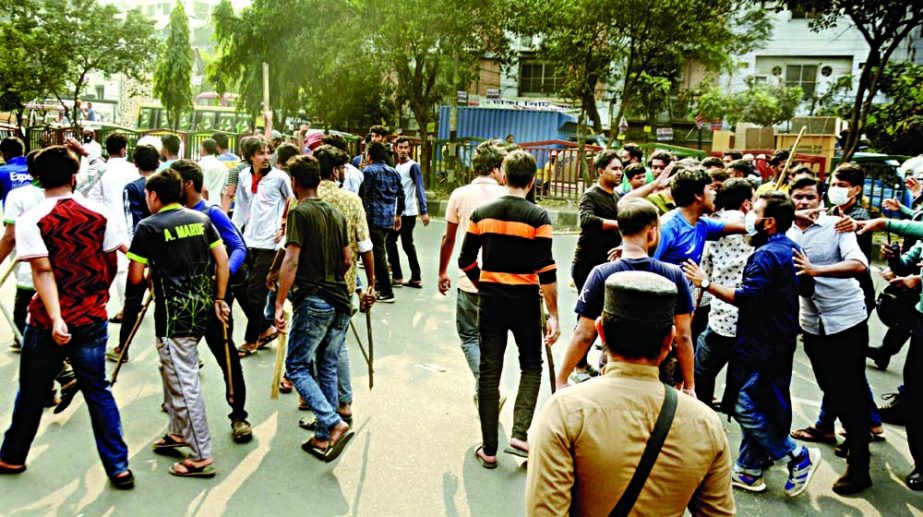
{"x": 131, "y": 336}
{"x": 265, "y": 86}
{"x": 280, "y": 357}
{"x": 227, "y": 359}
{"x": 368, "y": 328}
{"x": 551, "y": 373}
{"x": 8, "y": 272}
{"x": 791, "y": 156}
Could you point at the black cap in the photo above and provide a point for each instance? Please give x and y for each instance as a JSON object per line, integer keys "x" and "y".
{"x": 640, "y": 296}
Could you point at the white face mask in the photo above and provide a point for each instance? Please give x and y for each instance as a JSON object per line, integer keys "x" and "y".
{"x": 838, "y": 195}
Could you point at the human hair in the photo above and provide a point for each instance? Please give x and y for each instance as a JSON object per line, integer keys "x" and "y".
{"x": 210, "y": 146}
{"x": 634, "y": 151}
{"x": 687, "y": 184}
{"x": 56, "y": 166}
{"x": 633, "y": 169}
{"x": 851, "y": 173}
{"x": 603, "y": 159}
{"x": 12, "y": 147}
{"x": 30, "y": 162}
{"x": 712, "y": 161}
{"x": 171, "y": 143}
{"x": 245, "y": 144}
{"x": 735, "y": 191}
{"x": 519, "y": 167}
{"x": 305, "y": 169}
{"x": 633, "y": 339}
{"x": 115, "y": 143}
{"x": 804, "y": 182}
{"x": 378, "y": 152}
{"x": 719, "y": 174}
{"x": 779, "y": 157}
{"x": 741, "y": 166}
{"x": 379, "y": 130}
{"x": 779, "y": 207}
{"x": 146, "y": 158}
{"x": 488, "y": 156}
{"x": 636, "y": 216}
{"x": 254, "y": 145}
{"x": 401, "y": 140}
{"x": 336, "y": 141}
{"x": 662, "y": 156}
{"x": 167, "y": 184}
{"x": 221, "y": 138}
{"x": 735, "y": 155}
{"x": 329, "y": 158}
{"x": 803, "y": 169}
{"x": 286, "y": 152}
{"x": 189, "y": 171}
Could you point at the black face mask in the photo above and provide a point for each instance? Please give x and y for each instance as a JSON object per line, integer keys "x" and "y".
{"x": 759, "y": 239}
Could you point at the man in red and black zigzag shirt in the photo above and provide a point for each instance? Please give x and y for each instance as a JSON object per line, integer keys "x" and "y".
{"x": 514, "y": 238}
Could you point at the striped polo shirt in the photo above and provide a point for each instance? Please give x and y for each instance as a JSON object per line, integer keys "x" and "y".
{"x": 513, "y": 237}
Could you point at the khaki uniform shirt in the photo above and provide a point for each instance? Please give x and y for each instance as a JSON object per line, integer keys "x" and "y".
{"x": 589, "y": 438}
{"x": 350, "y": 206}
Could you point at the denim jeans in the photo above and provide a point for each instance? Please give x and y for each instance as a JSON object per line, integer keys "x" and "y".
{"x": 497, "y": 317}
{"x": 466, "y": 322}
{"x": 40, "y": 362}
{"x": 760, "y": 442}
{"x": 827, "y": 418}
{"x": 711, "y": 355}
{"x": 318, "y": 331}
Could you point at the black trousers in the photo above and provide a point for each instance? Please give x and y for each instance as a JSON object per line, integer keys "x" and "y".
{"x": 382, "y": 279}
{"x": 214, "y": 338}
{"x": 258, "y": 261}
{"x": 913, "y": 391}
{"x": 408, "y": 223}
{"x": 497, "y": 317}
{"x": 21, "y": 307}
{"x": 838, "y": 361}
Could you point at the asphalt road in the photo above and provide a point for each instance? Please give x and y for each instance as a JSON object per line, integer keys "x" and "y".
{"x": 415, "y": 433}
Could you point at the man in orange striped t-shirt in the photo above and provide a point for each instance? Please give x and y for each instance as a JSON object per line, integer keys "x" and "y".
{"x": 514, "y": 238}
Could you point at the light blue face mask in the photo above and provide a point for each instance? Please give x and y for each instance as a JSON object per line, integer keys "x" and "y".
{"x": 750, "y": 223}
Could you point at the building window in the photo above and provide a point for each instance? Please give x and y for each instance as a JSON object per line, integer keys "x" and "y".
{"x": 804, "y": 76}
{"x": 799, "y": 12}
{"x": 100, "y": 91}
{"x": 539, "y": 78}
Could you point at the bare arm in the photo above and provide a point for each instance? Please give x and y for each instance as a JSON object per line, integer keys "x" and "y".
{"x": 7, "y": 242}
{"x": 552, "y": 329}
{"x": 47, "y": 289}
{"x": 445, "y": 254}
{"x": 580, "y": 343}
{"x": 684, "y": 351}
{"x": 660, "y": 182}
{"x": 347, "y": 260}
{"x": 286, "y": 279}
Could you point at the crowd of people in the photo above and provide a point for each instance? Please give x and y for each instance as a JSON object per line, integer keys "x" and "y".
{"x": 683, "y": 268}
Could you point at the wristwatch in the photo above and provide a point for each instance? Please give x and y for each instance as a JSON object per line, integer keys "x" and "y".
{"x": 706, "y": 283}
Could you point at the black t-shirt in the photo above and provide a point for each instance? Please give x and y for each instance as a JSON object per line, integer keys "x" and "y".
{"x": 594, "y": 243}
{"x": 176, "y": 244}
{"x": 320, "y": 230}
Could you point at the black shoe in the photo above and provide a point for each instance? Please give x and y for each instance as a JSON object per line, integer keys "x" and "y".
{"x": 915, "y": 480}
{"x": 52, "y": 399}
{"x": 841, "y": 451}
{"x": 385, "y": 298}
{"x": 880, "y": 359}
{"x": 893, "y": 412}
{"x": 124, "y": 482}
{"x": 68, "y": 391}
{"x": 852, "y": 481}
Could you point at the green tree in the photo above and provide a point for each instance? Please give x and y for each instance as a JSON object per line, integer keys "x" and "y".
{"x": 896, "y": 125}
{"x": 885, "y": 25}
{"x": 172, "y": 77}
{"x": 762, "y": 104}
{"x": 67, "y": 40}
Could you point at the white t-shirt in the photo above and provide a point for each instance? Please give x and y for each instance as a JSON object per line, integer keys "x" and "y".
{"x": 411, "y": 207}
{"x": 462, "y": 202}
{"x": 18, "y": 202}
{"x": 215, "y": 176}
{"x": 108, "y": 190}
{"x": 352, "y": 179}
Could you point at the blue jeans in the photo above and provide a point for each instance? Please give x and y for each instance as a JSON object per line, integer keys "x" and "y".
{"x": 318, "y": 331}
{"x": 466, "y": 322}
{"x": 760, "y": 442}
{"x": 41, "y": 360}
{"x": 826, "y": 418}
{"x": 712, "y": 353}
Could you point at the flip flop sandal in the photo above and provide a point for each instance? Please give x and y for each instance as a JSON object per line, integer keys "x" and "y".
{"x": 285, "y": 386}
{"x": 415, "y": 284}
{"x": 12, "y": 470}
{"x": 247, "y": 350}
{"x": 265, "y": 341}
{"x": 168, "y": 443}
{"x": 314, "y": 450}
{"x": 310, "y": 424}
{"x": 205, "y": 471}
{"x": 515, "y": 451}
{"x": 124, "y": 482}
{"x": 68, "y": 392}
{"x": 811, "y": 434}
{"x": 334, "y": 451}
{"x": 484, "y": 463}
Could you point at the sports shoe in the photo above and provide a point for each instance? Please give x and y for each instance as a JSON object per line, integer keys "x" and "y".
{"x": 801, "y": 471}
{"x": 893, "y": 412}
{"x": 385, "y": 299}
{"x": 578, "y": 377}
{"x": 748, "y": 482}
{"x": 67, "y": 396}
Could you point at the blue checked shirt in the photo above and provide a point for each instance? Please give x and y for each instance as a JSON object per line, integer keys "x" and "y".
{"x": 382, "y": 195}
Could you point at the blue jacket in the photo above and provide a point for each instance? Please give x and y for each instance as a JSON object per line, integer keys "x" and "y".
{"x": 233, "y": 241}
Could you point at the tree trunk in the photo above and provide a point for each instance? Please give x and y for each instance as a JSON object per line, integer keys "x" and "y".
{"x": 426, "y": 146}
{"x": 857, "y": 117}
